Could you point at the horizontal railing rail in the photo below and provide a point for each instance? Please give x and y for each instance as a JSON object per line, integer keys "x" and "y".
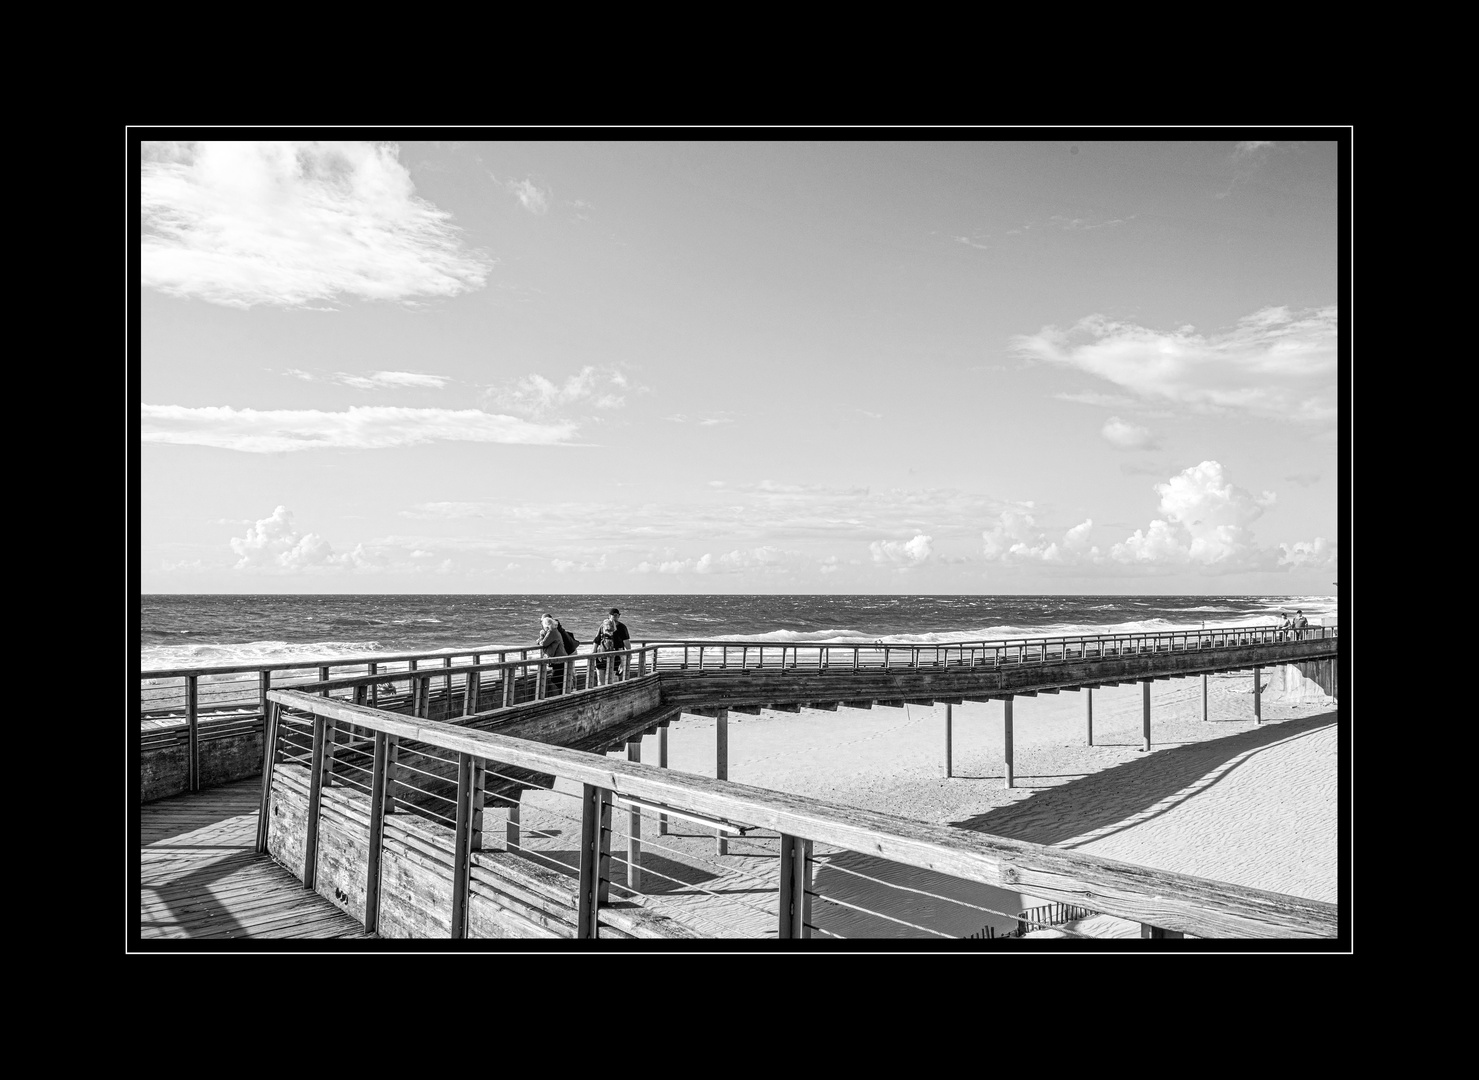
{"x": 339, "y": 741}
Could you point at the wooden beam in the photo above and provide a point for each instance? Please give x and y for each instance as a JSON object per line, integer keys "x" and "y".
{"x": 794, "y": 908}
{"x": 824, "y": 706}
{"x": 634, "y": 828}
{"x": 1145, "y": 714}
{"x": 1007, "y": 738}
{"x": 1089, "y": 713}
{"x": 721, "y": 766}
{"x": 378, "y": 775}
{"x": 949, "y": 721}
{"x": 269, "y": 759}
{"x": 593, "y": 802}
{"x": 863, "y": 703}
{"x": 192, "y": 727}
{"x": 315, "y": 797}
{"x": 462, "y": 845}
{"x": 784, "y": 708}
{"x": 1257, "y": 695}
{"x": 1204, "y": 698}
{"x": 662, "y": 763}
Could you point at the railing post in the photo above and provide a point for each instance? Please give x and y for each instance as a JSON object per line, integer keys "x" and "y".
{"x": 721, "y": 767}
{"x": 192, "y": 732}
{"x": 634, "y": 827}
{"x": 511, "y": 823}
{"x": 1007, "y": 737}
{"x": 315, "y": 797}
{"x": 378, "y": 775}
{"x": 467, "y": 838}
{"x": 595, "y": 832}
{"x": 794, "y": 909}
{"x": 269, "y": 759}
{"x": 374, "y": 686}
{"x": 539, "y": 681}
{"x": 471, "y": 690}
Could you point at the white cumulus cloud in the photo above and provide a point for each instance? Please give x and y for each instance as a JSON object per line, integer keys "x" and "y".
{"x": 275, "y": 543}
{"x": 1273, "y": 363}
{"x": 285, "y": 223}
{"x": 357, "y": 428}
{"x": 535, "y": 395}
{"x": 1126, "y": 435}
{"x": 907, "y": 553}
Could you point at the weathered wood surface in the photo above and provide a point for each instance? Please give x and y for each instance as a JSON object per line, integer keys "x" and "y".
{"x": 1199, "y": 906}
{"x": 201, "y": 878}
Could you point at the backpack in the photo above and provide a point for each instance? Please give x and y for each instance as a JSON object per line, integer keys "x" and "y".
{"x": 571, "y": 643}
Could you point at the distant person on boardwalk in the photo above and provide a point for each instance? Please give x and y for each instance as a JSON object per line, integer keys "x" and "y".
{"x": 622, "y": 639}
{"x": 1300, "y": 622}
{"x": 603, "y": 646}
{"x": 551, "y": 643}
{"x": 1286, "y": 626}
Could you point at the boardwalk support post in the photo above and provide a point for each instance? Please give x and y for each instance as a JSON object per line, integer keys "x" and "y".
{"x": 662, "y": 763}
{"x": 949, "y": 722}
{"x": 1145, "y": 714}
{"x": 1204, "y": 698}
{"x": 1089, "y": 712}
{"x": 634, "y": 827}
{"x": 721, "y": 766}
{"x": 1257, "y": 695}
{"x": 1006, "y": 732}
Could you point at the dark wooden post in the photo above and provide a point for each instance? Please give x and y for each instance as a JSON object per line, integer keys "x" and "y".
{"x": 634, "y": 827}
{"x": 1257, "y": 695}
{"x": 1007, "y": 737}
{"x": 1204, "y": 698}
{"x": 1156, "y": 932}
{"x": 662, "y": 763}
{"x": 511, "y": 822}
{"x": 468, "y": 836}
{"x": 269, "y": 759}
{"x": 721, "y": 767}
{"x": 192, "y": 732}
{"x": 949, "y": 722}
{"x": 374, "y": 686}
{"x": 1145, "y": 714}
{"x": 595, "y": 832}
{"x": 1089, "y": 712}
{"x": 794, "y": 909}
{"x": 315, "y": 797}
{"x": 379, "y": 778}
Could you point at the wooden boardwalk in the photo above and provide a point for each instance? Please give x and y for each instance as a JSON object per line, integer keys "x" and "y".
{"x": 201, "y": 878}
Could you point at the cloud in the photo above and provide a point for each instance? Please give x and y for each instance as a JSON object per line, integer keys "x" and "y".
{"x": 1250, "y": 147}
{"x": 909, "y": 553}
{"x": 1205, "y": 526}
{"x": 247, "y": 223}
{"x": 274, "y": 543}
{"x": 1275, "y": 363}
{"x": 531, "y": 197}
{"x": 1073, "y": 224}
{"x": 536, "y": 396}
{"x": 1207, "y": 523}
{"x": 1127, "y": 436}
{"x": 376, "y": 380}
{"x": 1304, "y": 479}
{"x": 1318, "y": 554}
{"x": 1106, "y": 401}
{"x": 358, "y": 428}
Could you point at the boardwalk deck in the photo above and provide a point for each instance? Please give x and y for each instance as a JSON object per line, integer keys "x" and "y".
{"x": 201, "y": 878}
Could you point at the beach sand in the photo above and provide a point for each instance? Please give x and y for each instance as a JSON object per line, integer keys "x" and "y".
{"x": 1228, "y": 799}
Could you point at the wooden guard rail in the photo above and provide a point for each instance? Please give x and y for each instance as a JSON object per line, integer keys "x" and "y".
{"x": 648, "y": 657}
{"x": 1172, "y": 904}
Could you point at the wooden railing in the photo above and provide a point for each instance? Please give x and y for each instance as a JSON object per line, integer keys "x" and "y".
{"x": 645, "y": 658}
{"x": 1169, "y": 904}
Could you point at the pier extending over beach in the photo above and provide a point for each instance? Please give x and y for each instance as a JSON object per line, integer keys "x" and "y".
{"x": 1040, "y": 869}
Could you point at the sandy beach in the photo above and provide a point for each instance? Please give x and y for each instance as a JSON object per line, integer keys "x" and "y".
{"x": 1228, "y": 799}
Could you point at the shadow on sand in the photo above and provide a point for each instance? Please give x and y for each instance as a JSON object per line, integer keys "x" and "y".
{"x": 1101, "y": 800}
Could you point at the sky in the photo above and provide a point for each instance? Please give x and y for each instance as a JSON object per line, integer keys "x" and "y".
{"x": 953, "y": 366}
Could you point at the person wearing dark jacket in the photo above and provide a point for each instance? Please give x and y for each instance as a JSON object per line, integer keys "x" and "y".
{"x": 552, "y": 644}
{"x": 620, "y": 640}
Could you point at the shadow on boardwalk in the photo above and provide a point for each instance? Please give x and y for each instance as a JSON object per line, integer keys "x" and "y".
{"x": 1098, "y": 802}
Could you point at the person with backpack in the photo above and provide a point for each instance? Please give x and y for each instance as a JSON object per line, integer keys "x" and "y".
{"x": 606, "y": 666}
{"x": 1300, "y": 622}
{"x": 552, "y": 643}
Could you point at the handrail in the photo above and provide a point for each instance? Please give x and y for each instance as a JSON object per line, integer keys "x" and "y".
{"x": 1176, "y": 902}
{"x": 331, "y": 661}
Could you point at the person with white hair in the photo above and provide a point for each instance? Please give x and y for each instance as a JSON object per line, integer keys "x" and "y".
{"x": 552, "y": 643}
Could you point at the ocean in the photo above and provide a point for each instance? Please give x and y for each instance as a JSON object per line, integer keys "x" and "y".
{"x": 177, "y": 631}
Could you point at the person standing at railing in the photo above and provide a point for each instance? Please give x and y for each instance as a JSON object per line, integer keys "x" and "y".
{"x": 603, "y": 646}
{"x": 552, "y": 644}
{"x": 1300, "y": 622}
{"x": 620, "y": 640}
{"x": 1286, "y": 626}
